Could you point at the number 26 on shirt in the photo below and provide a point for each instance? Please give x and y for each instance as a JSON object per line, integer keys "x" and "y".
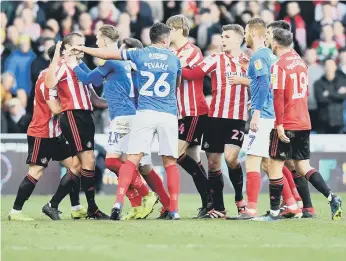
{"x": 161, "y": 87}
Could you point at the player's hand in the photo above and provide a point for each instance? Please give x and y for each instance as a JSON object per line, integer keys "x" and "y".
{"x": 57, "y": 51}
{"x": 248, "y": 105}
{"x": 76, "y": 48}
{"x": 325, "y": 93}
{"x": 281, "y": 134}
{"x": 255, "y": 121}
{"x": 342, "y": 90}
{"x": 235, "y": 79}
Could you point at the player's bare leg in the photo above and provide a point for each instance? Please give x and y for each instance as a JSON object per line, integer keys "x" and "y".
{"x": 303, "y": 190}
{"x": 24, "y": 192}
{"x": 173, "y": 184}
{"x": 304, "y": 168}
{"x": 200, "y": 179}
{"x": 154, "y": 181}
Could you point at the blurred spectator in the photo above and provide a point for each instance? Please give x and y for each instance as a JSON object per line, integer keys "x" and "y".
{"x": 31, "y": 28}
{"x": 243, "y": 18}
{"x": 66, "y": 24}
{"x": 255, "y": 8}
{"x": 339, "y": 33}
{"x": 4, "y": 50}
{"x": 267, "y": 16}
{"x": 215, "y": 45}
{"x": 157, "y": 10}
{"x": 85, "y": 25}
{"x": 330, "y": 93}
{"x": 38, "y": 13}
{"x": 138, "y": 21}
{"x": 338, "y": 11}
{"x": 145, "y": 39}
{"x": 315, "y": 72}
{"x": 106, "y": 12}
{"x": 342, "y": 60}
{"x": 171, "y": 8}
{"x": 16, "y": 117}
{"x": 54, "y": 26}
{"x": 327, "y": 18}
{"x": 19, "y": 24}
{"x": 297, "y": 26}
{"x": 326, "y": 47}
{"x": 3, "y": 20}
{"x": 124, "y": 25}
{"x": 18, "y": 63}
{"x": 7, "y": 82}
{"x": 12, "y": 38}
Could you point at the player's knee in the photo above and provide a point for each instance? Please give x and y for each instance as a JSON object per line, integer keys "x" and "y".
{"x": 289, "y": 164}
{"x": 36, "y": 171}
{"x": 214, "y": 165}
{"x": 88, "y": 159}
{"x": 168, "y": 161}
{"x": 76, "y": 166}
{"x": 145, "y": 169}
{"x": 182, "y": 147}
{"x": 231, "y": 160}
{"x": 264, "y": 165}
{"x": 194, "y": 152}
{"x": 253, "y": 163}
{"x": 302, "y": 166}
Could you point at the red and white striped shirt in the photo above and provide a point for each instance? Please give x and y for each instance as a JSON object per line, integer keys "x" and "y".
{"x": 228, "y": 101}
{"x": 72, "y": 93}
{"x": 190, "y": 98}
{"x": 44, "y": 123}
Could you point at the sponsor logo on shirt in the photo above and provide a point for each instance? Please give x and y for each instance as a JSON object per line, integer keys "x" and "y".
{"x": 258, "y": 64}
{"x": 158, "y": 56}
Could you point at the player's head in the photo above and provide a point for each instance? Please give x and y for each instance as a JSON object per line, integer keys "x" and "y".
{"x": 73, "y": 39}
{"x": 282, "y": 39}
{"x": 107, "y": 36}
{"x": 255, "y": 30}
{"x": 274, "y": 25}
{"x": 232, "y": 37}
{"x": 51, "y": 51}
{"x": 131, "y": 43}
{"x": 179, "y": 26}
{"x": 160, "y": 34}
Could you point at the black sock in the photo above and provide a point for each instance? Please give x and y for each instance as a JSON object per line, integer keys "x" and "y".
{"x": 65, "y": 186}
{"x": 275, "y": 191}
{"x": 315, "y": 178}
{"x": 24, "y": 191}
{"x": 202, "y": 168}
{"x": 199, "y": 178}
{"x": 88, "y": 185}
{"x": 236, "y": 177}
{"x": 303, "y": 189}
{"x": 74, "y": 193}
{"x": 216, "y": 184}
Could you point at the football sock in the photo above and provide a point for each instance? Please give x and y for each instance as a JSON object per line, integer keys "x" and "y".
{"x": 199, "y": 178}
{"x": 216, "y": 184}
{"x": 236, "y": 177}
{"x": 134, "y": 197}
{"x": 155, "y": 183}
{"x": 289, "y": 176}
{"x": 303, "y": 189}
{"x": 275, "y": 190}
{"x": 74, "y": 193}
{"x": 65, "y": 186}
{"x": 126, "y": 174}
{"x": 138, "y": 184}
{"x": 202, "y": 168}
{"x": 24, "y": 191}
{"x": 88, "y": 185}
{"x": 287, "y": 195}
{"x": 315, "y": 178}
{"x": 173, "y": 184}
{"x": 253, "y": 187}
{"x": 113, "y": 164}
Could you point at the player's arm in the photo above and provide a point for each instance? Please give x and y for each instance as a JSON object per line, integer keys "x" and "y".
{"x": 94, "y": 77}
{"x": 54, "y": 106}
{"x": 178, "y": 75}
{"x": 103, "y": 53}
{"x": 262, "y": 83}
{"x": 96, "y": 100}
{"x": 84, "y": 67}
{"x": 321, "y": 94}
{"x": 278, "y": 78}
{"x": 51, "y": 98}
{"x": 52, "y": 78}
{"x": 202, "y": 69}
{"x": 234, "y": 79}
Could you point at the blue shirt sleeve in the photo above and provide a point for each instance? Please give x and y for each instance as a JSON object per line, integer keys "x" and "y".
{"x": 261, "y": 66}
{"x": 132, "y": 54}
{"x": 94, "y": 77}
{"x": 84, "y": 67}
{"x": 263, "y": 85}
{"x": 179, "y": 68}
{"x": 106, "y": 68}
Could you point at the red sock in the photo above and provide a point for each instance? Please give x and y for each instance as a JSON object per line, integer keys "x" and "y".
{"x": 134, "y": 197}
{"x": 253, "y": 187}
{"x": 113, "y": 164}
{"x": 155, "y": 183}
{"x": 287, "y": 194}
{"x": 287, "y": 173}
{"x": 173, "y": 184}
{"x": 126, "y": 174}
{"x": 138, "y": 184}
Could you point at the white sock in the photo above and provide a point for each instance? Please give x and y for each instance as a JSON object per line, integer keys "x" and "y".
{"x": 13, "y": 211}
{"x": 76, "y": 208}
{"x": 330, "y": 197}
{"x": 275, "y": 212}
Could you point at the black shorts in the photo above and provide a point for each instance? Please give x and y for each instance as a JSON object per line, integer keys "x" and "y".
{"x": 78, "y": 128}
{"x": 42, "y": 150}
{"x": 220, "y": 132}
{"x": 191, "y": 129}
{"x": 297, "y": 149}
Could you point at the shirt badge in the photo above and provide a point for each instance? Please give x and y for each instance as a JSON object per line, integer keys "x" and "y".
{"x": 258, "y": 64}
{"x": 273, "y": 78}
{"x": 102, "y": 62}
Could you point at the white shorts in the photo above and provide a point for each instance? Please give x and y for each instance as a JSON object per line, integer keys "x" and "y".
{"x": 118, "y": 139}
{"x": 258, "y": 144}
{"x": 144, "y": 127}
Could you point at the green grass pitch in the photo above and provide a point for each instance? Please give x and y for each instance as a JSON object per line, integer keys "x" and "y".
{"x": 319, "y": 239}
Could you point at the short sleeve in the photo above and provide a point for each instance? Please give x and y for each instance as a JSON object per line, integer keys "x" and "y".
{"x": 260, "y": 65}
{"x": 194, "y": 58}
{"x": 132, "y": 54}
{"x": 105, "y": 67}
{"x": 49, "y": 94}
{"x": 208, "y": 64}
{"x": 277, "y": 77}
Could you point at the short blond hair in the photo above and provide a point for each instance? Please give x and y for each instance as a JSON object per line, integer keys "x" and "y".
{"x": 257, "y": 24}
{"x": 235, "y": 28}
{"x": 110, "y": 31}
{"x": 179, "y": 22}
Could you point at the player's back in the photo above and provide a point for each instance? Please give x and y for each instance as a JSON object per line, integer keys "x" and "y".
{"x": 43, "y": 124}
{"x": 158, "y": 69}
{"x": 260, "y": 63}
{"x": 118, "y": 88}
{"x": 291, "y": 74}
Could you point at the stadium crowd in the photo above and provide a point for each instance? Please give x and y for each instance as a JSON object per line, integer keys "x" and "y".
{"x": 29, "y": 28}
